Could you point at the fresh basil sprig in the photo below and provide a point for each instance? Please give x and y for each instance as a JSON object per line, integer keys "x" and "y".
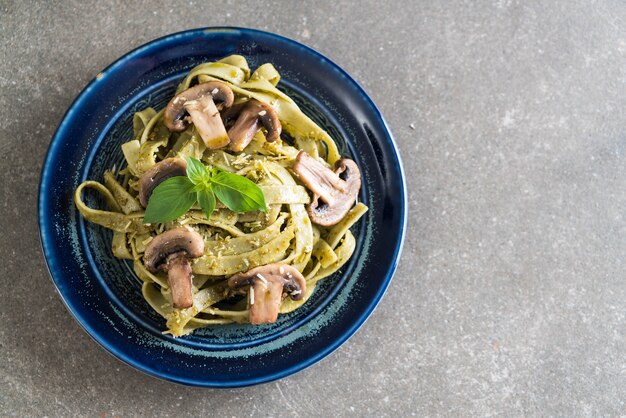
{"x": 176, "y": 195}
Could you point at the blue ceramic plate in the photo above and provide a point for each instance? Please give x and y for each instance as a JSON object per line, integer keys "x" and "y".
{"x": 103, "y": 293}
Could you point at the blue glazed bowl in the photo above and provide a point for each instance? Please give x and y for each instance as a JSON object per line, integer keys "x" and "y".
{"x": 104, "y": 294}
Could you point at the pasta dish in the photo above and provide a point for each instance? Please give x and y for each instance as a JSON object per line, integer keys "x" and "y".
{"x": 232, "y": 204}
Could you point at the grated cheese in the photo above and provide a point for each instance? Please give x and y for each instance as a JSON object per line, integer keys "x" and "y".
{"x": 263, "y": 279}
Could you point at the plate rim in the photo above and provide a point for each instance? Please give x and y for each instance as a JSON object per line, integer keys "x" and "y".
{"x": 309, "y": 360}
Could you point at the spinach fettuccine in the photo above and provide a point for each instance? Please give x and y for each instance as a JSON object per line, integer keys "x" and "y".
{"x": 232, "y": 204}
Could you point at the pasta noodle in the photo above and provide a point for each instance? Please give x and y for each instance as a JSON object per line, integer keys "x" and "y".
{"x": 233, "y": 242}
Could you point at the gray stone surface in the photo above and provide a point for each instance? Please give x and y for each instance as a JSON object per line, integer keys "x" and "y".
{"x": 511, "y": 296}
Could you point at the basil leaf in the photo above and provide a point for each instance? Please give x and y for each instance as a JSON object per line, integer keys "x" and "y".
{"x": 200, "y": 187}
{"x": 237, "y": 192}
{"x": 206, "y": 198}
{"x": 196, "y": 171}
{"x": 169, "y": 200}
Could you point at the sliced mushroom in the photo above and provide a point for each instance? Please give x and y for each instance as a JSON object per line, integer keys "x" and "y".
{"x": 334, "y": 193}
{"x": 251, "y": 116}
{"x": 170, "y": 167}
{"x": 172, "y": 252}
{"x": 267, "y": 285}
{"x": 174, "y": 115}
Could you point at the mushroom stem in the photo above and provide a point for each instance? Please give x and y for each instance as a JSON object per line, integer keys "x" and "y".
{"x": 242, "y": 133}
{"x": 208, "y": 122}
{"x": 179, "y": 278}
{"x": 267, "y": 297}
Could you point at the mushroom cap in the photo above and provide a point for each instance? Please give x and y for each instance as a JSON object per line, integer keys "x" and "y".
{"x": 163, "y": 170}
{"x": 251, "y": 115}
{"x": 174, "y": 114}
{"x": 292, "y": 280}
{"x": 174, "y": 241}
{"x": 334, "y": 193}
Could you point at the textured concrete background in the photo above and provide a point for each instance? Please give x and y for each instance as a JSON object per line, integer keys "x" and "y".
{"x": 511, "y": 295}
